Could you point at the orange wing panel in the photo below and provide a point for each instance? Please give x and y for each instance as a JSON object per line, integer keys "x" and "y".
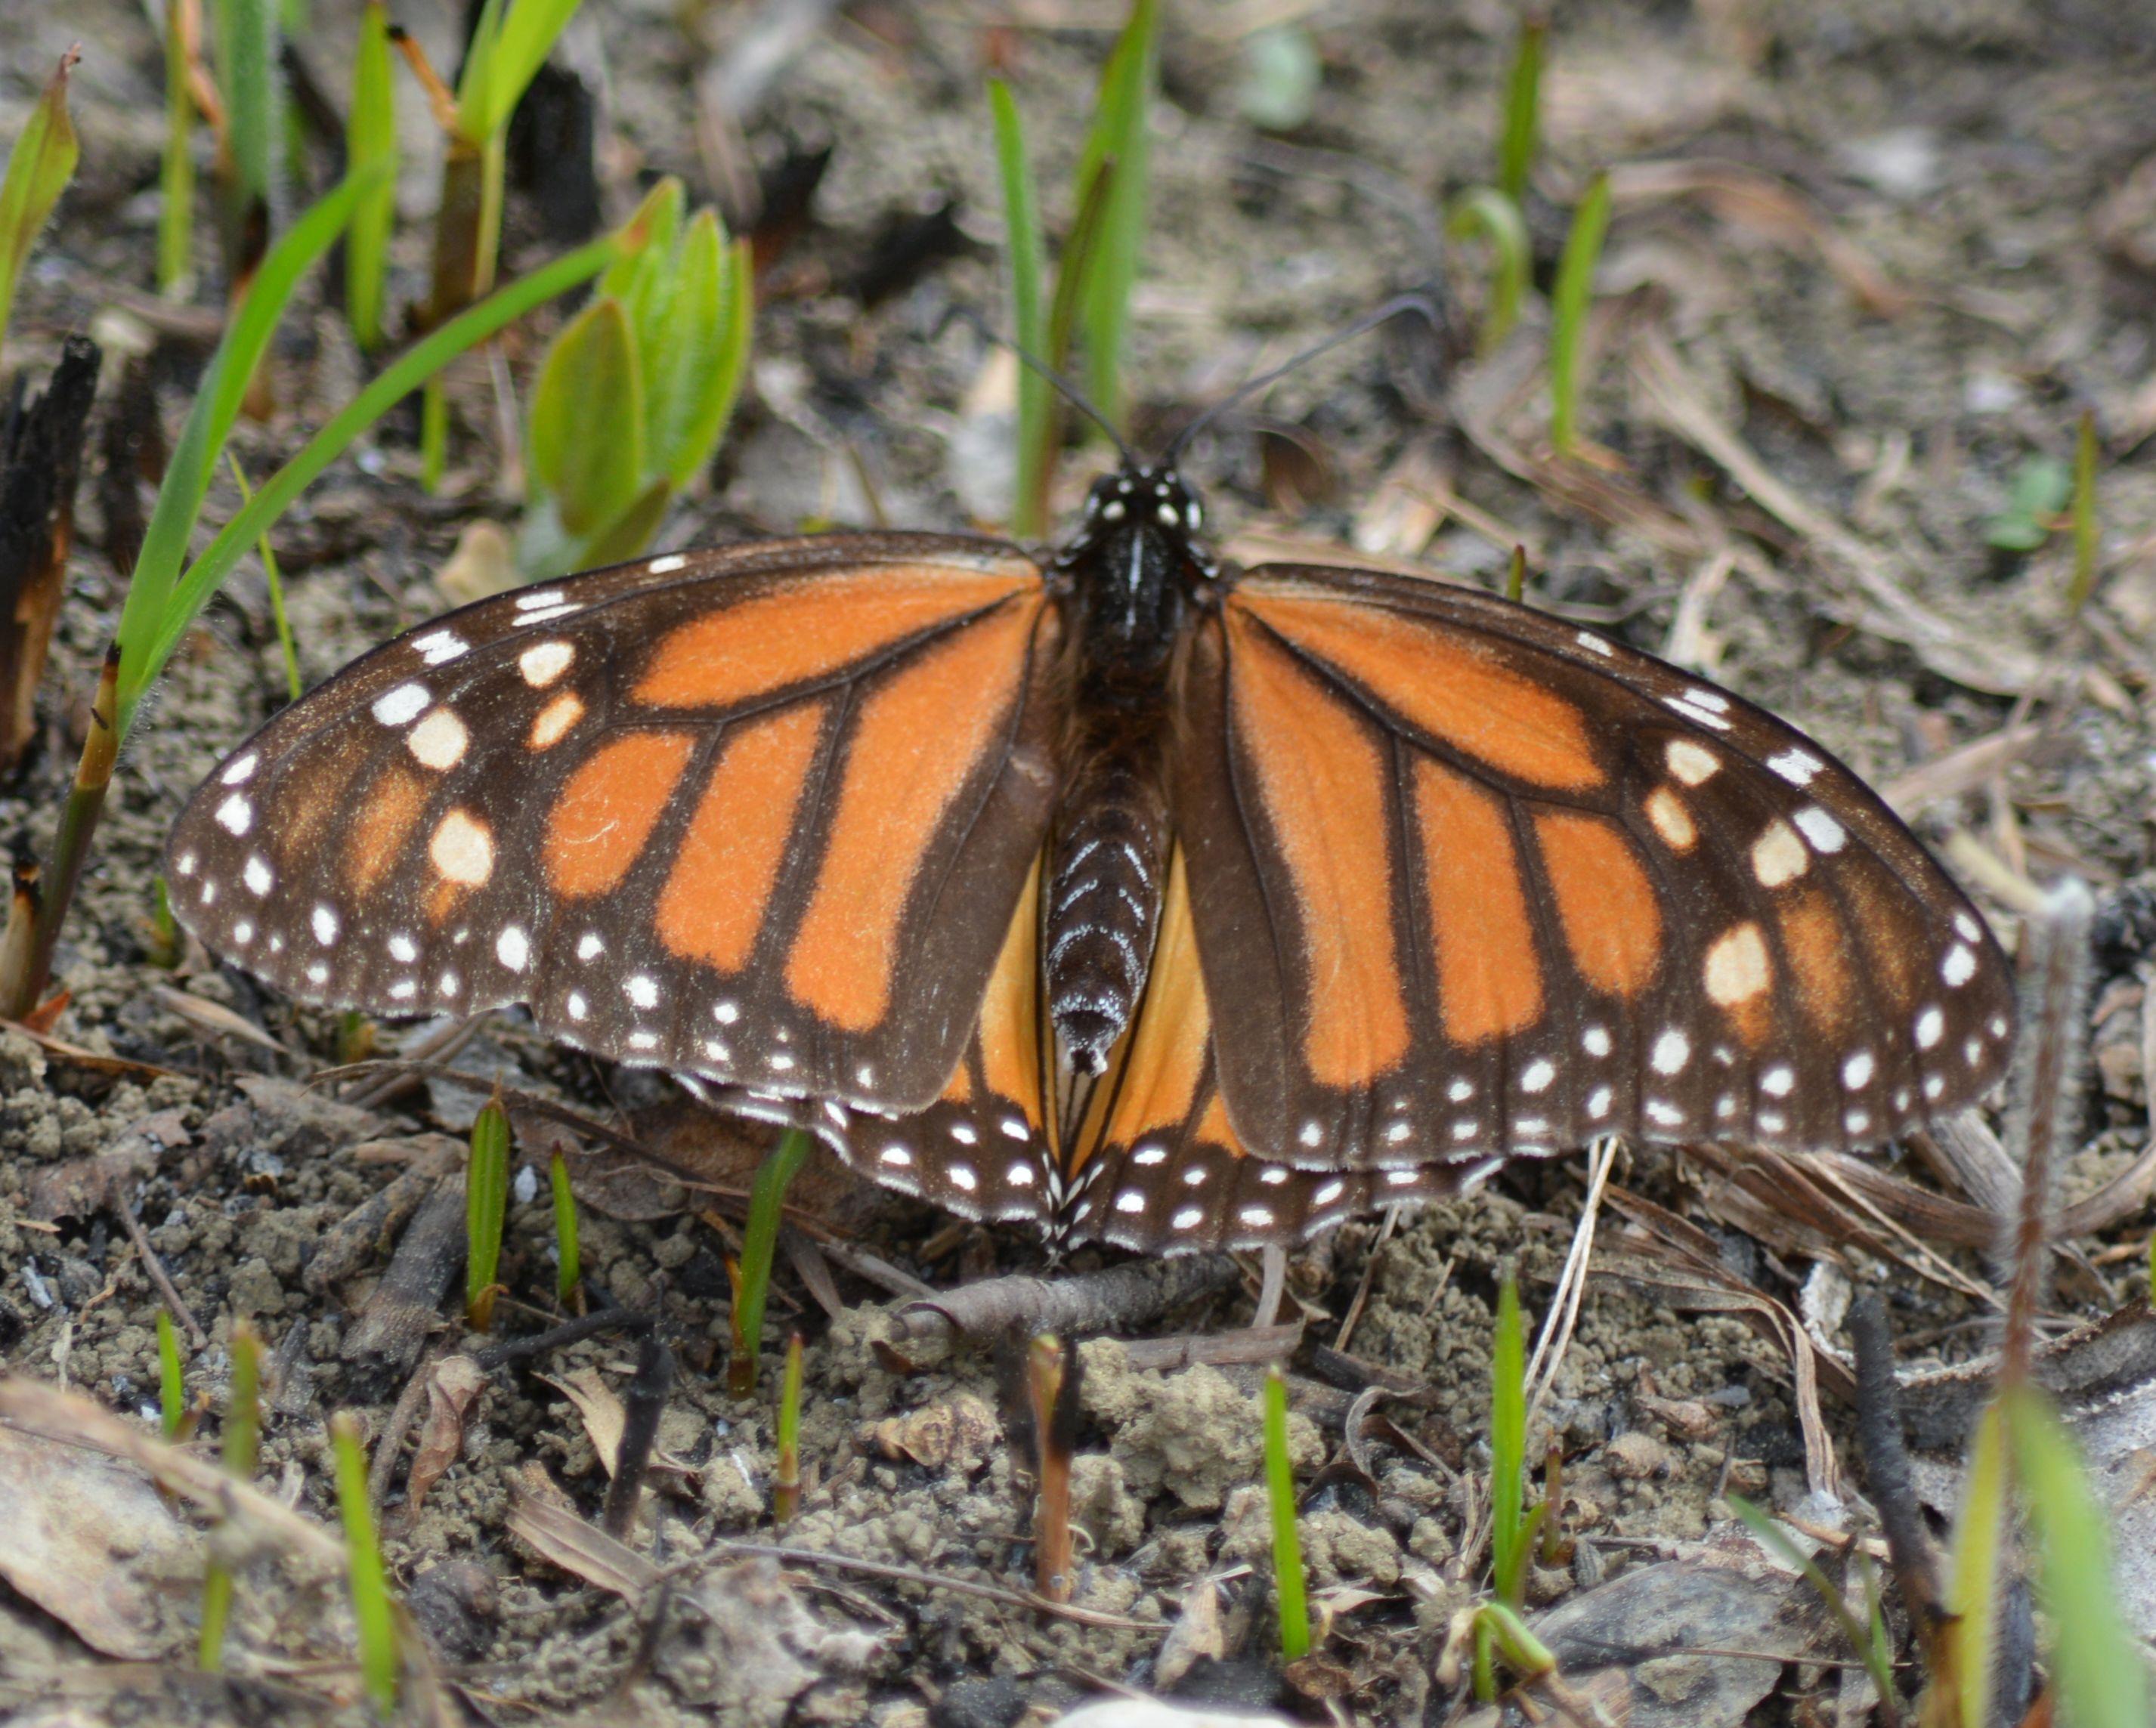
{"x": 779, "y": 640}
{"x": 1321, "y": 775}
{"x": 386, "y": 821}
{"x": 919, "y": 738}
{"x": 714, "y": 901}
{"x": 608, "y": 809}
{"x": 1613, "y": 924}
{"x": 1441, "y": 681}
{"x": 1489, "y": 978}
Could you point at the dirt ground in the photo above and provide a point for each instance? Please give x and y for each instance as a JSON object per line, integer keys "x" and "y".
{"x": 1869, "y": 263}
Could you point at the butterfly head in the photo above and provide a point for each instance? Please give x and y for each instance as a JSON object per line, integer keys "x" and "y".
{"x": 1136, "y": 561}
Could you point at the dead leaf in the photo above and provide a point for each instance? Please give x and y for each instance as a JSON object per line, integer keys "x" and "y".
{"x": 454, "y": 1383}
{"x": 605, "y": 1416}
{"x": 1196, "y": 1636}
{"x": 961, "y": 1431}
{"x": 214, "y": 1019}
{"x": 482, "y": 564}
{"x": 581, "y": 1548}
{"x": 90, "y": 1540}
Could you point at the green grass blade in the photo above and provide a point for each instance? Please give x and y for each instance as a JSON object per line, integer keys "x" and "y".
{"x": 2095, "y": 1663}
{"x": 767, "y": 1202}
{"x": 39, "y": 167}
{"x": 1978, "y": 1577}
{"x": 176, "y": 170}
{"x": 786, "y": 1480}
{"x": 1516, "y": 145}
{"x": 1025, "y": 252}
{"x": 276, "y": 579}
{"x": 245, "y": 46}
{"x": 1122, "y": 133}
{"x": 1574, "y": 290}
{"x": 2084, "y": 521}
{"x": 371, "y": 139}
{"x": 569, "y": 1264}
{"x": 1509, "y": 1536}
{"x": 486, "y": 1205}
{"x": 379, "y": 1665}
{"x": 475, "y": 82}
{"x": 1489, "y": 213}
{"x": 396, "y": 381}
{"x": 172, "y": 1377}
{"x": 515, "y": 54}
{"x": 1772, "y": 1535}
{"x": 150, "y": 592}
{"x": 1287, "y": 1542}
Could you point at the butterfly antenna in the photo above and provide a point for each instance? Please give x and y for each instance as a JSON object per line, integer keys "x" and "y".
{"x": 1362, "y": 327}
{"x": 1063, "y": 388}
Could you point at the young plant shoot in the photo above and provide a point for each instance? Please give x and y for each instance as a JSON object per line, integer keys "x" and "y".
{"x": 635, "y": 391}
{"x": 39, "y": 166}
{"x": 486, "y": 1205}
{"x": 766, "y": 1207}
{"x": 1288, "y": 1592}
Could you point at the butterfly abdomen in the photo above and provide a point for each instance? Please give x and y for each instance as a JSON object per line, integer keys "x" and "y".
{"x": 1107, "y": 856}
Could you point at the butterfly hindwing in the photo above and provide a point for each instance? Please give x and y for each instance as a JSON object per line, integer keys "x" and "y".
{"x": 1470, "y": 881}
{"x": 737, "y": 814}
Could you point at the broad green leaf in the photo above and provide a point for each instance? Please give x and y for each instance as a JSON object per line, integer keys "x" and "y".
{"x": 38, "y": 169}
{"x": 630, "y": 532}
{"x": 719, "y": 277}
{"x": 587, "y": 444}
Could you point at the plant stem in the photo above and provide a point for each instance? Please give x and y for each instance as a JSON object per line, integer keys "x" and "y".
{"x": 568, "y": 1272}
{"x": 786, "y": 1480}
{"x": 379, "y": 1664}
{"x": 93, "y": 778}
{"x": 1574, "y": 290}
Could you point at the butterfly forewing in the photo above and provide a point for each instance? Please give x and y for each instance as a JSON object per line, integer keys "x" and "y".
{"x": 743, "y": 814}
{"x": 1470, "y": 881}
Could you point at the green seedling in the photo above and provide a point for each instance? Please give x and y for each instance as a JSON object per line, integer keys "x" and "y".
{"x": 1486, "y": 212}
{"x": 786, "y": 1480}
{"x": 1870, "y": 1643}
{"x": 766, "y": 1206}
{"x": 175, "y": 170}
{"x": 172, "y": 1381}
{"x": 1501, "y": 1635}
{"x": 380, "y": 1666}
{"x": 1099, "y": 265}
{"x": 1287, "y": 1543}
{"x": 244, "y": 42}
{"x": 1573, "y": 292}
{"x": 167, "y": 589}
{"x": 508, "y": 46}
{"x": 635, "y": 391}
{"x": 568, "y": 1267}
{"x": 2096, "y": 1664}
{"x": 1025, "y": 252}
{"x": 370, "y": 140}
{"x": 1121, "y": 134}
{"x": 242, "y": 1449}
{"x": 276, "y": 579}
{"x": 39, "y": 166}
{"x": 1979, "y": 1576}
{"x": 161, "y": 937}
{"x": 486, "y": 1204}
{"x": 2040, "y": 489}
{"x": 1511, "y": 1529}
{"x": 1516, "y": 144}
{"x": 2084, "y": 516}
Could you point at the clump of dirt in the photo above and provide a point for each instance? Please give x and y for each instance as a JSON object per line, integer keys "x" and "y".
{"x": 1983, "y": 159}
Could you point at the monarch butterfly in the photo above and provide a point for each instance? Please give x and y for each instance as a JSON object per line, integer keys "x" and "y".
{"x": 1145, "y": 897}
